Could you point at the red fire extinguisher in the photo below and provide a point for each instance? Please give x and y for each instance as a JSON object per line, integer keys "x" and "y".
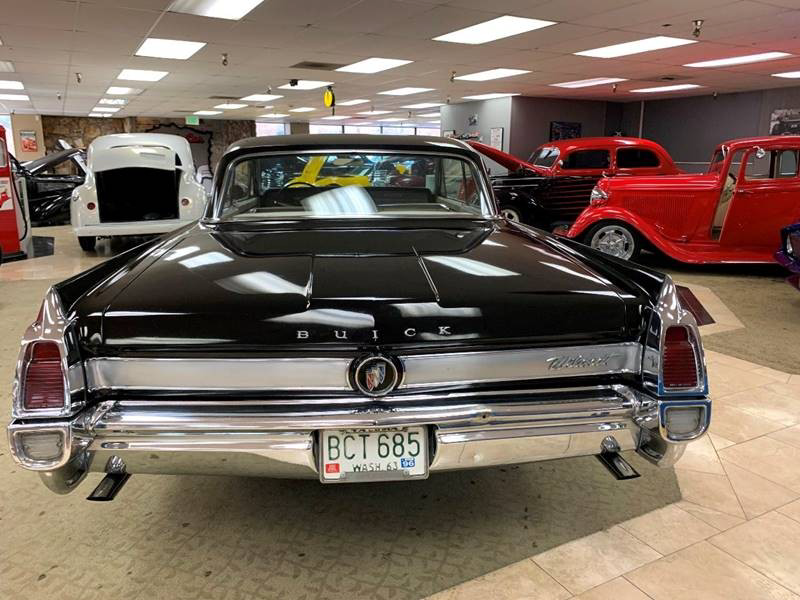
{"x": 13, "y": 219}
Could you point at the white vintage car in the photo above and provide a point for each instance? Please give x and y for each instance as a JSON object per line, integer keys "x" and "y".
{"x": 137, "y": 184}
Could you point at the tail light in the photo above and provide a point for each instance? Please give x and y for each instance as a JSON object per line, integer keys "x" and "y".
{"x": 679, "y": 366}
{"x": 44, "y": 378}
{"x": 185, "y": 202}
{"x": 91, "y": 206}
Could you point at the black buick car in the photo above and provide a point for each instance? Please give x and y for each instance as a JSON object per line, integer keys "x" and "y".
{"x": 336, "y": 325}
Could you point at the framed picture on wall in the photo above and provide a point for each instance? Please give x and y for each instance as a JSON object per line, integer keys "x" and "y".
{"x": 564, "y": 130}
{"x": 496, "y": 137}
{"x": 785, "y": 121}
{"x": 28, "y": 141}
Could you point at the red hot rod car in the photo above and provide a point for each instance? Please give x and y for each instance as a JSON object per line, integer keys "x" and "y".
{"x": 553, "y": 187}
{"x": 732, "y": 213}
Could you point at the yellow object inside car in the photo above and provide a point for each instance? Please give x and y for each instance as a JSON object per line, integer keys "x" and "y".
{"x": 322, "y": 171}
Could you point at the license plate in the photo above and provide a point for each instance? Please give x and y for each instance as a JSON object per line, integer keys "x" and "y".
{"x": 373, "y": 454}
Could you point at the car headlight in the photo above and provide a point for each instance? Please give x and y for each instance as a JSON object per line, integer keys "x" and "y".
{"x": 789, "y": 248}
{"x": 598, "y": 197}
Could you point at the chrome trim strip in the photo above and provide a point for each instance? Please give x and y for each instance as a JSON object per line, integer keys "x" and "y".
{"x": 519, "y": 365}
{"x": 331, "y": 374}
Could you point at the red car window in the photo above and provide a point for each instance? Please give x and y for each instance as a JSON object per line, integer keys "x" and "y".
{"x": 587, "y": 159}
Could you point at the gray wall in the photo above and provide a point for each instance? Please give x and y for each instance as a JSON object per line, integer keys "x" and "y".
{"x": 490, "y": 113}
{"x": 531, "y": 117}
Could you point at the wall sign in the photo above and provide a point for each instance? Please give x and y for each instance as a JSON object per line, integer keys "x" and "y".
{"x": 28, "y": 141}
{"x": 785, "y": 121}
{"x": 496, "y": 137}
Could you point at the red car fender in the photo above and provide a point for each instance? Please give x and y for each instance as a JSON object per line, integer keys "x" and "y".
{"x": 594, "y": 215}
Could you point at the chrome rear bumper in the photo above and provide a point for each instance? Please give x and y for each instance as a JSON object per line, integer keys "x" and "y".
{"x": 251, "y": 440}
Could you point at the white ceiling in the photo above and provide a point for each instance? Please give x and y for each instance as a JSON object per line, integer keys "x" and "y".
{"x": 50, "y": 40}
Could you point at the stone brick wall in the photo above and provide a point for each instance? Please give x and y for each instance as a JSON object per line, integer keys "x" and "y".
{"x": 80, "y": 131}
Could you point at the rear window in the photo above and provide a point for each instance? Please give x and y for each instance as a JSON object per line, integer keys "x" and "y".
{"x": 587, "y": 159}
{"x": 636, "y": 158}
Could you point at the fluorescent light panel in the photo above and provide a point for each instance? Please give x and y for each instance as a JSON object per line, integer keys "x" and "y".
{"x": 115, "y": 90}
{"x": 667, "y": 88}
{"x": 208, "y": 112}
{"x": 739, "y": 60}
{"x": 230, "y": 106}
{"x": 6, "y": 66}
{"x": 494, "y": 29}
{"x": 22, "y": 97}
{"x": 97, "y": 114}
{"x": 391, "y": 120}
{"x": 113, "y": 101}
{"x": 274, "y": 115}
{"x": 7, "y": 84}
{"x": 658, "y": 42}
{"x": 581, "y": 83}
{"x": 352, "y": 102}
{"x": 216, "y": 9}
{"x": 306, "y": 84}
{"x": 261, "y": 97}
{"x": 334, "y": 118}
{"x": 492, "y": 74}
{"x": 302, "y": 109}
{"x": 492, "y": 96}
{"x": 429, "y": 115}
{"x": 163, "y": 48}
{"x": 104, "y": 109}
{"x": 423, "y": 105}
{"x": 374, "y": 65}
{"x": 370, "y": 113}
{"x": 405, "y": 91}
{"x": 788, "y": 75}
{"x": 142, "y": 75}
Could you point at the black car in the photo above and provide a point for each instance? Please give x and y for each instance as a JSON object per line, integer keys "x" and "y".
{"x": 49, "y": 183}
{"x": 354, "y": 333}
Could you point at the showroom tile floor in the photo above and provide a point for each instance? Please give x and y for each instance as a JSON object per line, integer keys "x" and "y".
{"x": 724, "y": 524}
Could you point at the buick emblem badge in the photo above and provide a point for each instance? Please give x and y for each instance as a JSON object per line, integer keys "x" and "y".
{"x": 375, "y": 375}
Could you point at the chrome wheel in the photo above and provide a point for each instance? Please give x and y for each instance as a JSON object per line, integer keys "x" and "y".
{"x": 615, "y": 240}
{"x": 511, "y": 214}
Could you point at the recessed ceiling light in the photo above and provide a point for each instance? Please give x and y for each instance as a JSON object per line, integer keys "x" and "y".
{"x": 391, "y": 120}
{"x": 489, "y": 96}
{"x": 142, "y": 75}
{"x": 96, "y": 114}
{"x": 208, "y": 112}
{"x": 122, "y": 91}
{"x": 230, "y": 106}
{"x": 494, "y": 29}
{"x": 658, "y": 42}
{"x": 370, "y": 113}
{"x": 302, "y": 109}
{"x": 23, "y": 97}
{"x": 352, "y": 102}
{"x": 306, "y": 84}
{"x": 261, "y": 97}
{"x": 105, "y": 109}
{"x": 435, "y": 122}
{"x": 162, "y": 48}
{"x": 374, "y": 65}
{"x": 429, "y": 115}
{"x": 788, "y": 75}
{"x": 423, "y": 105}
{"x": 334, "y": 118}
{"x": 6, "y": 66}
{"x": 588, "y": 82}
{"x": 217, "y": 9}
{"x": 7, "y": 84}
{"x": 113, "y": 101}
{"x": 405, "y": 91}
{"x": 492, "y": 74}
{"x": 274, "y": 115}
{"x": 739, "y": 60}
{"x": 667, "y": 88}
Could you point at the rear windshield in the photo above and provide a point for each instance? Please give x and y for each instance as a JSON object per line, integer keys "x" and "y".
{"x": 351, "y": 184}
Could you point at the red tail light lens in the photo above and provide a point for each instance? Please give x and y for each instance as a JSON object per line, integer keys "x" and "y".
{"x": 43, "y": 384}
{"x": 679, "y": 362}
{"x": 91, "y": 206}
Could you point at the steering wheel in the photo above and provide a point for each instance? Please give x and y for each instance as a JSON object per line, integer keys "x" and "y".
{"x": 297, "y": 183}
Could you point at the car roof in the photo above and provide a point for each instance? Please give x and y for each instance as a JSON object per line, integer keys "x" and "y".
{"x": 338, "y": 141}
{"x": 765, "y": 140}
{"x": 609, "y": 141}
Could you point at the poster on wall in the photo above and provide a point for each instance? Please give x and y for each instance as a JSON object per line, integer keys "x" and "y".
{"x": 496, "y": 137}
{"x": 785, "y": 121}
{"x": 564, "y": 130}
{"x": 28, "y": 141}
